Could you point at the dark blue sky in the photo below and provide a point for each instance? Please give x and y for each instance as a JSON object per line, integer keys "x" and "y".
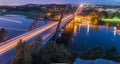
{"x": 20, "y": 2}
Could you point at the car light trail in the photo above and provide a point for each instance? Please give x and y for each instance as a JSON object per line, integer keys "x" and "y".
{"x": 13, "y": 42}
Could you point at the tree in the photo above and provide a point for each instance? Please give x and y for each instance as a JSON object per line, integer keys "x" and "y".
{"x": 94, "y": 17}
{"x": 110, "y": 15}
{"x": 23, "y": 53}
{"x": 97, "y": 52}
{"x": 117, "y": 16}
{"x": 105, "y": 14}
{"x": 52, "y": 53}
{"x": 83, "y": 55}
{"x": 74, "y": 54}
{"x": 95, "y": 21}
{"x": 3, "y": 34}
{"x": 37, "y": 42}
{"x": 111, "y": 53}
{"x": 101, "y": 15}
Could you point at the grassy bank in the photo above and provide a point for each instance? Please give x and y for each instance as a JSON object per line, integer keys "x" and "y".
{"x": 111, "y": 20}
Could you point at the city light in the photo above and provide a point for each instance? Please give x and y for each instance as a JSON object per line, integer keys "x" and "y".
{"x": 53, "y": 30}
{"x": 81, "y": 5}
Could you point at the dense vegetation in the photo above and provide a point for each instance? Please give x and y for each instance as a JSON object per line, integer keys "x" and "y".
{"x": 49, "y": 53}
{"x": 57, "y": 53}
{"x": 23, "y": 53}
{"x": 103, "y": 17}
{"x": 102, "y": 14}
{"x": 98, "y": 52}
{"x": 54, "y": 53}
{"x": 3, "y": 34}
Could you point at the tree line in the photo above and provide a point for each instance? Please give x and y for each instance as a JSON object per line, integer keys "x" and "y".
{"x": 54, "y": 53}
{"x": 3, "y": 35}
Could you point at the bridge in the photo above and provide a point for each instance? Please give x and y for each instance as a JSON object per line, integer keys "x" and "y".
{"x": 7, "y": 47}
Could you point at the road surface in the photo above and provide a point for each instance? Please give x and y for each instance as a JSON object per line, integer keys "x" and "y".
{"x": 7, "y": 47}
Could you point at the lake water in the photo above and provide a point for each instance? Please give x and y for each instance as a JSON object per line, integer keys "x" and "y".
{"x": 17, "y": 24}
{"x": 76, "y": 36}
{"x": 80, "y": 37}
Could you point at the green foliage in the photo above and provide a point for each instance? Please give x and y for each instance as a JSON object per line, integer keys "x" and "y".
{"x": 102, "y": 15}
{"x": 23, "y": 53}
{"x": 116, "y": 16}
{"x": 111, "y": 53}
{"x": 110, "y": 15}
{"x": 3, "y": 34}
{"x": 74, "y": 55}
{"x": 98, "y": 52}
{"x": 95, "y": 16}
{"x": 52, "y": 53}
{"x": 37, "y": 42}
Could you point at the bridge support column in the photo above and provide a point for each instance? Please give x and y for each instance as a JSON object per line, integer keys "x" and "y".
{"x": 58, "y": 26}
{"x": 35, "y": 21}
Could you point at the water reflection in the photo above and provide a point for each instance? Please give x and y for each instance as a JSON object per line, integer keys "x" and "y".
{"x": 82, "y": 35}
{"x": 114, "y": 32}
{"x": 17, "y": 24}
{"x": 75, "y": 29}
{"x": 88, "y": 29}
{"x": 118, "y": 31}
{"x": 67, "y": 33}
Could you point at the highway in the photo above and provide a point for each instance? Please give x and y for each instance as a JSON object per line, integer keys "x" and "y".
{"x": 7, "y": 47}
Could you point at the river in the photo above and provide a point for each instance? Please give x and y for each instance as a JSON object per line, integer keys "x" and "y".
{"x": 79, "y": 37}
{"x": 17, "y": 24}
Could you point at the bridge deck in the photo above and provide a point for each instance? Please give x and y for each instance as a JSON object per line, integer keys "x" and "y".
{"x": 7, "y": 47}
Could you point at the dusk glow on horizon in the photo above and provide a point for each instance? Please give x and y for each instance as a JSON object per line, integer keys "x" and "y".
{"x": 22, "y": 2}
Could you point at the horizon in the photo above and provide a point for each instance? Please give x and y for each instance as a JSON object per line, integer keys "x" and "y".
{"x": 90, "y": 2}
{"x": 57, "y": 3}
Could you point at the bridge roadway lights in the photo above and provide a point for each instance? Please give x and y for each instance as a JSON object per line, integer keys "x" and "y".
{"x": 29, "y": 36}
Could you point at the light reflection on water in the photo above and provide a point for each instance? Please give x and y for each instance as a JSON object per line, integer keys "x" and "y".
{"x": 17, "y": 24}
{"x": 84, "y": 36}
{"x": 115, "y": 31}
